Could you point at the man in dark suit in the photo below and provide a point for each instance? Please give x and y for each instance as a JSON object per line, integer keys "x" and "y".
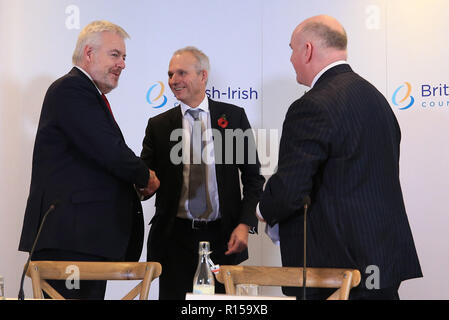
{"x": 82, "y": 164}
{"x": 340, "y": 146}
{"x": 199, "y": 200}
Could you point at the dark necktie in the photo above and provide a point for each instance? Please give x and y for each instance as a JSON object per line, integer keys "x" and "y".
{"x": 107, "y": 103}
{"x": 199, "y": 203}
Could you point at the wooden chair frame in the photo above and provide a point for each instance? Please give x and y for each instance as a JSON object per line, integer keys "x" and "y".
{"x": 39, "y": 271}
{"x": 341, "y": 279}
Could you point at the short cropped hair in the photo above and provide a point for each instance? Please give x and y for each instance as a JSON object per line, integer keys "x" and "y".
{"x": 90, "y": 35}
{"x": 201, "y": 57}
{"x": 330, "y": 38}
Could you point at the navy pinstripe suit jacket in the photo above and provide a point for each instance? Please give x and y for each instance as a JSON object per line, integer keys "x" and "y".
{"x": 340, "y": 145}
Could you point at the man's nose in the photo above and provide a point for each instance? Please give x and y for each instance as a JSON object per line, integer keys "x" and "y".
{"x": 121, "y": 64}
{"x": 173, "y": 78}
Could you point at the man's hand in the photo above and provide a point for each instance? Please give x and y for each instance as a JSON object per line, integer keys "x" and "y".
{"x": 153, "y": 185}
{"x": 238, "y": 240}
{"x": 153, "y": 182}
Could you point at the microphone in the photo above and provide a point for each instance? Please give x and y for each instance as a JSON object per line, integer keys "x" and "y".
{"x": 52, "y": 207}
{"x": 306, "y": 201}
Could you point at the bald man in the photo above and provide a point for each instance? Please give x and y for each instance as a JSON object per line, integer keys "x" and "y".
{"x": 340, "y": 146}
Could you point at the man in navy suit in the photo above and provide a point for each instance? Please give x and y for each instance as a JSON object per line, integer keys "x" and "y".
{"x": 82, "y": 164}
{"x": 223, "y": 214}
{"x": 340, "y": 146}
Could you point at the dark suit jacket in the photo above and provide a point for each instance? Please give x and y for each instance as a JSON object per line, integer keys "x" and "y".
{"x": 340, "y": 145}
{"x": 234, "y": 208}
{"x": 81, "y": 159}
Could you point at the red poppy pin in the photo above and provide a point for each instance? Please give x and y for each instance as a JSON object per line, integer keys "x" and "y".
{"x": 222, "y": 122}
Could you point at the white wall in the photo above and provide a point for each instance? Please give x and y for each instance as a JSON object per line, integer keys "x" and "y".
{"x": 390, "y": 43}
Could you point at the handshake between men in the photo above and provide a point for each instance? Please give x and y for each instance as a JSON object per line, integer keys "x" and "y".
{"x": 153, "y": 185}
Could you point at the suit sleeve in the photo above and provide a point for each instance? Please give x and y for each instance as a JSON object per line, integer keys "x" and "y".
{"x": 304, "y": 147}
{"x": 84, "y": 121}
{"x": 252, "y": 180}
{"x": 148, "y": 150}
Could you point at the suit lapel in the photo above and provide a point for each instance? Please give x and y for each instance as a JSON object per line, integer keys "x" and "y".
{"x": 110, "y": 117}
{"x": 76, "y": 72}
{"x": 176, "y": 118}
{"x": 216, "y": 111}
{"x": 175, "y": 123}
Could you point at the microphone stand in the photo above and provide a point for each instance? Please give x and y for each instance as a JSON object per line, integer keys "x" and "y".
{"x": 304, "y": 270}
{"x": 21, "y": 293}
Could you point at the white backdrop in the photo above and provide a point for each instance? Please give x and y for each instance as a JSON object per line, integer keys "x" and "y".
{"x": 391, "y": 43}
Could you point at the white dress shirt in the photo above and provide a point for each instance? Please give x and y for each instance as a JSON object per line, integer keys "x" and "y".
{"x": 211, "y": 177}
{"x": 88, "y": 75}
{"x": 319, "y": 74}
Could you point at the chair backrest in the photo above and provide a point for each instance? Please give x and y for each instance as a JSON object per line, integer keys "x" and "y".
{"x": 342, "y": 279}
{"x": 39, "y": 271}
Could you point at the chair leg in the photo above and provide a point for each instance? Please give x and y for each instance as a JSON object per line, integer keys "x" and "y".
{"x": 36, "y": 281}
{"x": 51, "y": 291}
{"x": 335, "y": 295}
{"x": 346, "y": 285}
{"x": 134, "y": 292}
{"x": 146, "y": 283}
{"x": 229, "y": 283}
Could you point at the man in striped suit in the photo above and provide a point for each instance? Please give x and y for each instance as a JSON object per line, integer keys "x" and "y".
{"x": 340, "y": 146}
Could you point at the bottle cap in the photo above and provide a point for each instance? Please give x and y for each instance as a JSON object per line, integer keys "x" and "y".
{"x": 204, "y": 247}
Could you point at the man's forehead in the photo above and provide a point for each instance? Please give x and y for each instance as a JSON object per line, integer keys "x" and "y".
{"x": 182, "y": 62}
{"x": 184, "y": 57}
{"x": 295, "y": 37}
{"x": 113, "y": 40}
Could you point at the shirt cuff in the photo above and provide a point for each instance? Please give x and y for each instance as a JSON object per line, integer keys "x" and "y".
{"x": 258, "y": 214}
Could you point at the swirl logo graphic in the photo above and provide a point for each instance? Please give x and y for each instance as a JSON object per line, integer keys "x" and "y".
{"x": 407, "y": 96}
{"x": 160, "y": 100}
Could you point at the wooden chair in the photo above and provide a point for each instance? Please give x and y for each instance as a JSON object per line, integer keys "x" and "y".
{"x": 39, "y": 271}
{"x": 341, "y": 279}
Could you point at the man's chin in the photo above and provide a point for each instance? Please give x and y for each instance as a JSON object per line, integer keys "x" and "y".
{"x": 108, "y": 87}
{"x": 179, "y": 97}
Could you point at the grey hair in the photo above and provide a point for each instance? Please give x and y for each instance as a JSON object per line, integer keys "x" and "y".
{"x": 90, "y": 35}
{"x": 330, "y": 38}
{"x": 201, "y": 57}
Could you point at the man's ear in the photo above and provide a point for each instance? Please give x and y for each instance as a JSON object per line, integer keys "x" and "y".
{"x": 309, "y": 52}
{"x": 88, "y": 52}
{"x": 204, "y": 75}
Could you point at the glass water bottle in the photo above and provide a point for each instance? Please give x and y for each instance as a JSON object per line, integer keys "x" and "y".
{"x": 203, "y": 282}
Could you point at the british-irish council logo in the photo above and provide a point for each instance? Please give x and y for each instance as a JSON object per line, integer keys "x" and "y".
{"x": 157, "y": 99}
{"x": 407, "y": 99}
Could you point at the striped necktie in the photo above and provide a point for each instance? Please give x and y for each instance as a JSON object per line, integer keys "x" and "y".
{"x": 199, "y": 202}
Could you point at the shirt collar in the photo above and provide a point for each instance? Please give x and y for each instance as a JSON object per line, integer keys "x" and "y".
{"x": 336, "y": 63}
{"x": 204, "y": 106}
{"x": 88, "y": 75}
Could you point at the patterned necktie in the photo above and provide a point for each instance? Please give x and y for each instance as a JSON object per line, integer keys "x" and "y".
{"x": 199, "y": 203}
{"x": 107, "y": 103}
